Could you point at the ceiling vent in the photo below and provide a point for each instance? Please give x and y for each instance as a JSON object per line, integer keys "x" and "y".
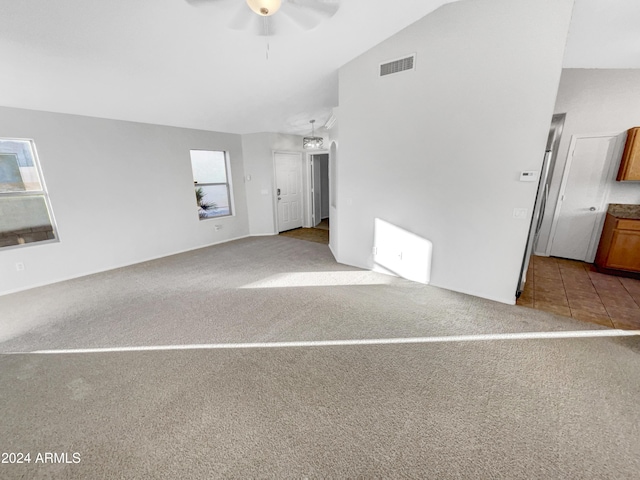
{"x": 397, "y": 66}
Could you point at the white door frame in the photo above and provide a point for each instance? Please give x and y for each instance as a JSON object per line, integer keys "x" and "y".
{"x": 274, "y": 188}
{"x": 593, "y": 243}
{"x": 309, "y": 180}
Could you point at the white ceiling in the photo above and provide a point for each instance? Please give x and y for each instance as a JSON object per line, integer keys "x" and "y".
{"x": 604, "y": 34}
{"x": 176, "y": 62}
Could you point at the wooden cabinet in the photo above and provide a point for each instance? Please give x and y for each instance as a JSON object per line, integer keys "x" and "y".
{"x": 630, "y": 164}
{"x": 619, "y": 247}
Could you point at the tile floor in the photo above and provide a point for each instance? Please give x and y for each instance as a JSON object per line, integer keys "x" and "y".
{"x": 317, "y": 235}
{"x": 575, "y": 289}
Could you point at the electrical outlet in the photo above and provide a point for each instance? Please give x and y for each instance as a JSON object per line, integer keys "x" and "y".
{"x": 218, "y": 227}
{"x": 520, "y": 213}
{"x": 19, "y": 266}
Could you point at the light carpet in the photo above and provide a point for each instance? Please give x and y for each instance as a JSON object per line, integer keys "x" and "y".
{"x": 508, "y": 408}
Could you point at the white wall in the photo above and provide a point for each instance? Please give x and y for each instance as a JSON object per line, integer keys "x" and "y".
{"x": 438, "y": 151}
{"x": 258, "y": 164}
{"x": 258, "y": 151}
{"x": 332, "y": 142}
{"x": 595, "y": 101}
{"x": 121, "y": 193}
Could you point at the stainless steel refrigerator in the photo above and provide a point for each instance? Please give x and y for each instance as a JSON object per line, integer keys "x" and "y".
{"x": 544, "y": 183}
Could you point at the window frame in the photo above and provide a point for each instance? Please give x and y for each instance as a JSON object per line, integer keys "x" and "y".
{"x": 43, "y": 192}
{"x": 228, "y": 183}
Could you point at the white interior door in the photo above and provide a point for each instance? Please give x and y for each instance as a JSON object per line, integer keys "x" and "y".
{"x": 581, "y": 204}
{"x": 316, "y": 191}
{"x": 289, "y": 190}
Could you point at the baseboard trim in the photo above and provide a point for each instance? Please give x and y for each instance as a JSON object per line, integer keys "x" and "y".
{"x": 93, "y": 272}
{"x": 333, "y": 253}
{"x": 506, "y": 301}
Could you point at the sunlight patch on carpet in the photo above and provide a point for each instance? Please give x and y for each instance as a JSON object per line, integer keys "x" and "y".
{"x": 321, "y": 279}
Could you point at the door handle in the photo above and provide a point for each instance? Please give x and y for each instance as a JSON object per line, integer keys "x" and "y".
{"x": 279, "y": 199}
{"x": 278, "y": 193}
{"x": 592, "y": 209}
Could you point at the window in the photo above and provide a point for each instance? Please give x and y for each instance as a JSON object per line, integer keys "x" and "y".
{"x": 212, "y": 183}
{"x": 25, "y": 213}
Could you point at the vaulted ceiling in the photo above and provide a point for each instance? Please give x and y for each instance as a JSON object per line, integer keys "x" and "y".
{"x": 177, "y": 62}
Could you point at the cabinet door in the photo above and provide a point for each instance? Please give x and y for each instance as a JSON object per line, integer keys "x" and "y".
{"x": 624, "y": 253}
{"x": 630, "y": 163}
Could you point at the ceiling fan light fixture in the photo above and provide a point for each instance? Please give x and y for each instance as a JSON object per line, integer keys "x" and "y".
{"x": 264, "y": 8}
{"x": 312, "y": 142}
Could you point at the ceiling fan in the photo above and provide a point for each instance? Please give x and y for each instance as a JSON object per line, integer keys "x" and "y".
{"x": 269, "y": 17}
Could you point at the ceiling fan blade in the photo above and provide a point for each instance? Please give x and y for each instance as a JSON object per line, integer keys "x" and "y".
{"x": 257, "y": 25}
{"x": 326, "y": 8}
{"x": 307, "y": 14}
{"x": 242, "y": 18}
{"x": 300, "y": 18}
{"x": 294, "y": 14}
{"x": 265, "y": 26}
{"x": 205, "y": 3}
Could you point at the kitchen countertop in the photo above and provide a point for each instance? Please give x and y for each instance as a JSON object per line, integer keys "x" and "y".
{"x": 621, "y": 210}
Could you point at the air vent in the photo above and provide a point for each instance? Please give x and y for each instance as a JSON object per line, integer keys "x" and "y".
{"x": 397, "y": 66}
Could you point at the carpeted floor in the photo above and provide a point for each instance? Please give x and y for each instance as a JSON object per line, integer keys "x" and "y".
{"x": 470, "y": 408}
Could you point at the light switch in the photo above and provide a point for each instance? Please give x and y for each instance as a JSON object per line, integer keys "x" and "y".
{"x": 529, "y": 176}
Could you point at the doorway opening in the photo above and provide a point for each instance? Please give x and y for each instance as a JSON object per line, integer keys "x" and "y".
{"x": 289, "y": 191}
{"x": 561, "y": 279}
{"x": 544, "y": 183}
{"x": 315, "y": 225}
{"x": 582, "y": 203}
{"x": 319, "y": 169}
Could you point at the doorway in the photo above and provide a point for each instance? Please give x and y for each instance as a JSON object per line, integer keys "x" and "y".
{"x": 289, "y": 190}
{"x": 314, "y": 224}
{"x": 319, "y": 166}
{"x": 544, "y": 182}
{"x": 581, "y": 205}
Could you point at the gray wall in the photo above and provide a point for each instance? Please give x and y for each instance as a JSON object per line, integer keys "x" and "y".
{"x": 438, "y": 151}
{"x": 121, "y": 193}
